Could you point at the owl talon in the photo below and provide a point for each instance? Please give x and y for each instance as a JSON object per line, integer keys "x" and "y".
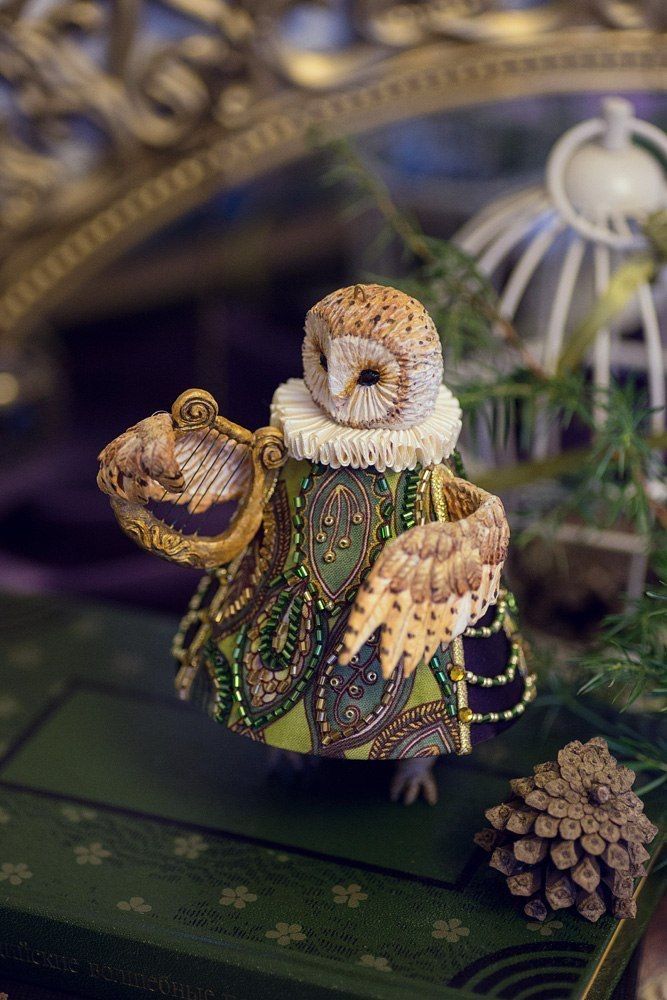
{"x": 413, "y": 778}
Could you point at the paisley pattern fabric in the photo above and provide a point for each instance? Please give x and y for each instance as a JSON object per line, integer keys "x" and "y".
{"x": 275, "y": 621}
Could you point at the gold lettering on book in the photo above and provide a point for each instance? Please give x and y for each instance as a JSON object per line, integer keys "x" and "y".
{"x": 163, "y": 985}
{"x": 25, "y": 953}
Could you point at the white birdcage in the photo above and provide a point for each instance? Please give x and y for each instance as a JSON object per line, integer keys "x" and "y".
{"x": 550, "y": 249}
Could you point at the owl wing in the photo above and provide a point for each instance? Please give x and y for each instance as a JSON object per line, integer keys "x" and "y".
{"x": 150, "y": 462}
{"x": 433, "y": 581}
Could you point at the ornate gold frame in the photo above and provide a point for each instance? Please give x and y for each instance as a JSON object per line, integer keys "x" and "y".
{"x": 181, "y": 117}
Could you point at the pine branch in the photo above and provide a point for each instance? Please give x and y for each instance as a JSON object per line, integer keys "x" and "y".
{"x": 439, "y": 260}
{"x": 567, "y": 463}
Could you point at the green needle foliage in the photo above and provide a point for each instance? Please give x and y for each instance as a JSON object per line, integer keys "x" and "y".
{"x": 608, "y": 483}
{"x": 631, "y": 660}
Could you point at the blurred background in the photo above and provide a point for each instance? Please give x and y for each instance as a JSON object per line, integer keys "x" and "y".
{"x": 96, "y": 101}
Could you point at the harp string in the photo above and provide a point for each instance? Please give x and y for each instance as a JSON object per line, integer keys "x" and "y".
{"x": 204, "y": 486}
{"x": 229, "y": 478}
{"x": 182, "y": 523}
{"x": 187, "y": 462}
{"x": 219, "y": 454}
{"x": 212, "y": 448}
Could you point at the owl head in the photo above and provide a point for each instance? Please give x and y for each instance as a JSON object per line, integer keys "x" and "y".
{"x": 372, "y": 357}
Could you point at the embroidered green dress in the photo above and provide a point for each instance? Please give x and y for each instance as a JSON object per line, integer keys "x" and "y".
{"x": 259, "y": 646}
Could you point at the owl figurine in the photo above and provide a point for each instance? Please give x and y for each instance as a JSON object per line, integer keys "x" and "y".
{"x": 354, "y": 606}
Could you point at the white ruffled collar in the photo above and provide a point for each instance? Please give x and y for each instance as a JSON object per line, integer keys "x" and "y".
{"x": 310, "y": 434}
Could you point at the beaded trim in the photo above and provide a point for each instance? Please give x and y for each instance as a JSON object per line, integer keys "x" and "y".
{"x": 458, "y": 674}
{"x": 465, "y": 716}
{"x": 255, "y": 722}
{"x": 498, "y": 680}
{"x": 505, "y": 601}
{"x": 516, "y": 661}
{"x": 195, "y": 621}
{"x": 413, "y": 512}
{"x": 382, "y": 492}
{"x": 513, "y": 712}
{"x": 221, "y": 612}
{"x": 329, "y": 738}
{"x": 463, "y": 712}
{"x": 221, "y": 676}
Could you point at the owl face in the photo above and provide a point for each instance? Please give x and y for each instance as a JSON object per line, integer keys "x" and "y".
{"x": 372, "y": 357}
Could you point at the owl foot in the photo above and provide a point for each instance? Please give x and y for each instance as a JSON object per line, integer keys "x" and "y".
{"x": 413, "y": 778}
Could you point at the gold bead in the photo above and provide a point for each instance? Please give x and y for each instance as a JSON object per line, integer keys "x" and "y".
{"x": 329, "y": 557}
{"x": 357, "y": 518}
{"x": 456, "y": 673}
{"x": 344, "y": 543}
{"x": 320, "y": 537}
{"x": 328, "y": 520}
{"x": 465, "y": 714}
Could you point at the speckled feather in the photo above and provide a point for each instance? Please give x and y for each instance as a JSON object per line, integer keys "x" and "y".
{"x": 433, "y": 581}
{"x": 150, "y": 462}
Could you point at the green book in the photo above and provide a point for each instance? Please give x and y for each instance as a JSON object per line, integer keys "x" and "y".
{"x": 146, "y": 851}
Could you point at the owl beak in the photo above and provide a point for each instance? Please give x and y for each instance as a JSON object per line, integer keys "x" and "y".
{"x": 339, "y": 391}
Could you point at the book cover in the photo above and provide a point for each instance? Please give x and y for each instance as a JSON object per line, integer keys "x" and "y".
{"x": 146, "y": 851}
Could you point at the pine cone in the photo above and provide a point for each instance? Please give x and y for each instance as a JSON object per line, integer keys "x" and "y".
{"x": 572, "y": 835}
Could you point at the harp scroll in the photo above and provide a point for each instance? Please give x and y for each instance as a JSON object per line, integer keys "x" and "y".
{"x": 255, "y": 457}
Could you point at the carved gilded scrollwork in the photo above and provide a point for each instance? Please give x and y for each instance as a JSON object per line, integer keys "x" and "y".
{"x": 87, "y": 81}
{"x": 120, "y": 116}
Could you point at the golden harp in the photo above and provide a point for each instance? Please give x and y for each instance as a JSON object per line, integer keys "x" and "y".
{"x": 217, "y": 449}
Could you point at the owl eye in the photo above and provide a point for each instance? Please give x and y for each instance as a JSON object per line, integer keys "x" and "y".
{"x": 323, "y": 361}
{"x": 369, "y": 376}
